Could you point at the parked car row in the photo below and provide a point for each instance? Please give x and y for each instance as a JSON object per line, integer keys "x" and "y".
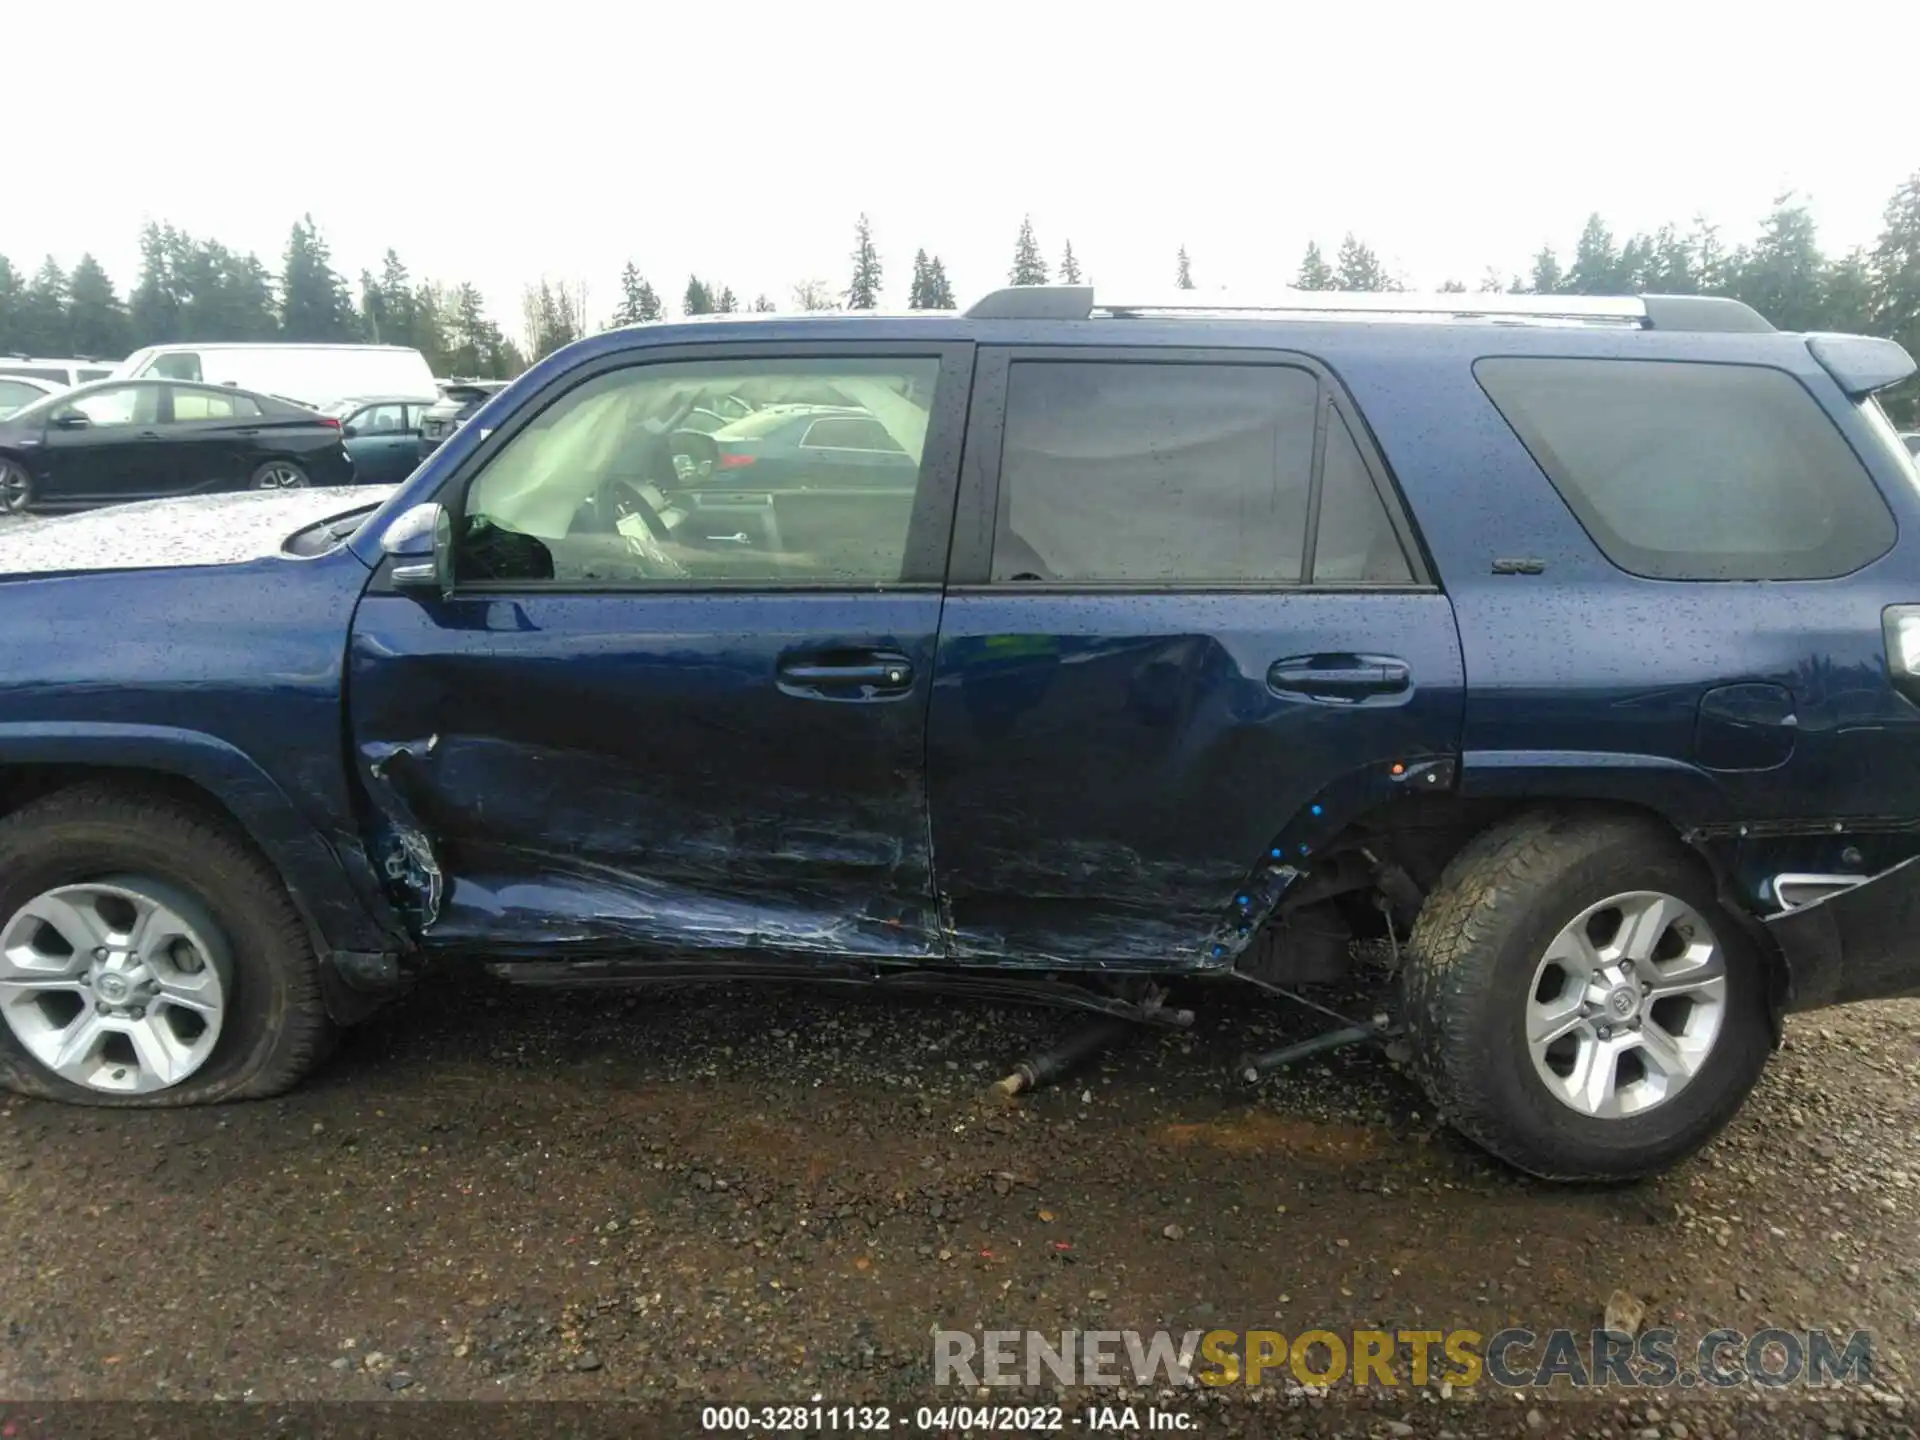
{"x": 120, "y": 440}
{"x": 195, "y": 419}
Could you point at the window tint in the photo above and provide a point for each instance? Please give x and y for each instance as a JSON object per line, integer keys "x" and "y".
{"x": 1689, "y": 471}
{"x": 609, "y": 485}
{"x": 36, "y": 372}
{"x": 848, "y": 434}
{"x": 211, "y": 405}
{"x": 87, "y": 375}
{"x": 1145, "y": 471}
{"x": 1356, "y": 539}
{"x": 182, "y": 365}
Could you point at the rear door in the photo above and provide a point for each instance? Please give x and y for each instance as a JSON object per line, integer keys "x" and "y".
{"x": 384, "y": 447}
{"x": 1187, "y": 628}
{"x": 211, "y": 434}
{"x": 628, "y": 728}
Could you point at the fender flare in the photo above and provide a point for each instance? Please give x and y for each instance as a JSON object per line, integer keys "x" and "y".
{"x": 319, "y": 873}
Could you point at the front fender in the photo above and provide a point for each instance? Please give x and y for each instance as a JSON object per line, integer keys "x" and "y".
{"x": 330, "y": 882}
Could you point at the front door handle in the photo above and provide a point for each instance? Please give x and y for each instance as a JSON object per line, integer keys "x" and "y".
{"x": 1340, "y": 679}
{"x": 845, "y": 675}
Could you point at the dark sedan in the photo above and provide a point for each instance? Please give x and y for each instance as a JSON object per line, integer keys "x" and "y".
{"x": 789, "y": 447}
{"x": 459, "y": 399}
{"x": 142, "y": 439}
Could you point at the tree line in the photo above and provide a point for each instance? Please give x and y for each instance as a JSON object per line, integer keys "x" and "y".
{"x": 199, "y": 289}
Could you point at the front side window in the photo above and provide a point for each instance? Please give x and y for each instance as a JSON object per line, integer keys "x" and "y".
{"x": 181, "y": 365}
{"x": 616, "y": 482}
{"x": 116, "y": 405}
{"x": 1173, "y": 473}
{"x": 1691, "y": 471}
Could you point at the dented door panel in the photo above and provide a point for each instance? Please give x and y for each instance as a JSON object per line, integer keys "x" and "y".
{"x": 562, "y": 773}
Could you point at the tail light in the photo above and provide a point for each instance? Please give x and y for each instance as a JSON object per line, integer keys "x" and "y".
{"x": 1901, "y": 625}
{"x": 331, "y": 422}
{"x": 735, "y": 461}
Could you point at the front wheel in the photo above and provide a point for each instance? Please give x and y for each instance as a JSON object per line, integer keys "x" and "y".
{"x": 1577, "y": 1001}
{"x": 279, "y": 475}
{"x": 16, "y": 488}
{"x": 148, "y": 956}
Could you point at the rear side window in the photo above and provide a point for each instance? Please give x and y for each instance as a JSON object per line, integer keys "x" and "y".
{"x": 1151, "y": 472}
{"x": 180, "y": 365}
{"x": 1690, "y": 471}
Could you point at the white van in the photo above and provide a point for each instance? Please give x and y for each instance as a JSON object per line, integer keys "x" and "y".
{"x": 314, "y": 375}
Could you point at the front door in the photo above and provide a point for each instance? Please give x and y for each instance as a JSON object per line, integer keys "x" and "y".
{"x": 634, "y": 726}
{"x": 106, "y": 445}
{"x": 385, "y": 448}
{"x": 1187, "y": 630}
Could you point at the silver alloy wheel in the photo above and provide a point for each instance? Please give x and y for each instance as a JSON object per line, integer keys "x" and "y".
{"x": 1627, "y": 1004}
{"x": 15, "y": 488}
{"x": 278, "y": 475}
{"x": 117, "y": 985}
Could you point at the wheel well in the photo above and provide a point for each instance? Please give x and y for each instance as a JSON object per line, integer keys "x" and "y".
{"x": 1420, "y": 836}
{"x": 22, "y": 785}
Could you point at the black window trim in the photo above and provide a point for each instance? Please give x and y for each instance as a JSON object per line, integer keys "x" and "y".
{"x": 928, "y": 533}
{"x": 977, "y": 511}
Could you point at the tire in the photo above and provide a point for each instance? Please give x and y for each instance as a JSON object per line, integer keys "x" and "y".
{"x": 1479, "y": 971}
{"x": 279, "y": 475}
{"x": 16, "y": 487}
{"x": 270, "y": 1027}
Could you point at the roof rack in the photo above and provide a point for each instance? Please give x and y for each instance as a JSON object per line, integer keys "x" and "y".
{"x": 1636, "y": 312}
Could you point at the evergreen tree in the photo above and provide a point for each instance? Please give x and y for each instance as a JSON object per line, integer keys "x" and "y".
{"x": 40, "y": 315}
{"x": 762, "y": 305}
{"x": 1546, "y": 278}
{"x": 1183, "y": 270}
{"x": 1896, "y": 308}
{"x": 224, "y": 296}
{"x": 726, "y": 303}
{"x": 1491, "y": 283}
{"x": 1028, "y": 267}
{"x": 1847, "y": 295}
{"x": 153, "y": 310}
{"x": 863, "y": 291}
{"x": 638, "y": 301}
{"x": 1712, "y": 266}
{"x": 919, "y": 292}
{"x": 374, "y": 321}
{"x": 939, "y": 291}
{"x": 432, "y": 308}
{"x": 1358, "y": 268}
{"x": 314, "y": 303}
{"x": 1453, "y": 287}
{"x": 1069, "y": 267}
{"x": 1314, "y": 273}
{"x": 401, "y": 318}
{"x": 9, "y": 304}
{"x": 1637, "y": 265}
{"x": 1596, "y": 263}
{"x": 1780, "y": 274}
{"x": 555, "y": 316}
{"x": 96, "y": 320}
{"x": 1671, "y": 270}
{"x": 699, "y": 299}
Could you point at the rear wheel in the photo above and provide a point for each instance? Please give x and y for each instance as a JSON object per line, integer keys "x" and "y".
{"x": 148, "y": 957}
{"x": 16, "y": 487}
{"x": 279, "y": 475}
{"x": 1577, "y": 1001}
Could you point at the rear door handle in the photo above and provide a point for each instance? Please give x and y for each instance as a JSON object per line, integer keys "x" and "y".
{"x": 1340, "y": 679}
{"x": 845, "y": 675}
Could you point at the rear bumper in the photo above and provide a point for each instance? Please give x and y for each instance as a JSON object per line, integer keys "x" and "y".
{"x": 1861, "y": 944}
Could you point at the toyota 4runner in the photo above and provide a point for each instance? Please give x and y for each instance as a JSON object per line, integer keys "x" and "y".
{"x": 1061, "y": 649}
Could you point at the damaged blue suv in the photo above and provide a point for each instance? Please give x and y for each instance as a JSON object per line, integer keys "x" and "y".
{"x": 1061, "y": 649}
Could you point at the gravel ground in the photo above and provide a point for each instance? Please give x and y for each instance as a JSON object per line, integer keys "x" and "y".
{"x": 771, "y": 1194}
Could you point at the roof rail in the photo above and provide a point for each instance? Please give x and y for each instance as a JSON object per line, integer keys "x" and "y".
{"x": 1638, "y": 312}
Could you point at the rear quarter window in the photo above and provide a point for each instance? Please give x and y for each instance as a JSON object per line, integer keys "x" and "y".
{"x": 1684, "y": 470}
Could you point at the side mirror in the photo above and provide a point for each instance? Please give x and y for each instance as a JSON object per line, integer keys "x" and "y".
{"x": 422, "y": 539}
{"x": 71, "y": 420}
{"x": 350, "y": 431}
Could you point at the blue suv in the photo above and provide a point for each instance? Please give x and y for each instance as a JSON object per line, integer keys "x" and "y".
{"x": 1569, "y": 647}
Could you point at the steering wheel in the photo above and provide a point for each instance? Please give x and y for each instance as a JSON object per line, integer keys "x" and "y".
{"x": 619, "y": 497}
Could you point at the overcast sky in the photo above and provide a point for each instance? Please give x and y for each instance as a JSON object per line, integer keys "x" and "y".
{"x": 497, "y": 143}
